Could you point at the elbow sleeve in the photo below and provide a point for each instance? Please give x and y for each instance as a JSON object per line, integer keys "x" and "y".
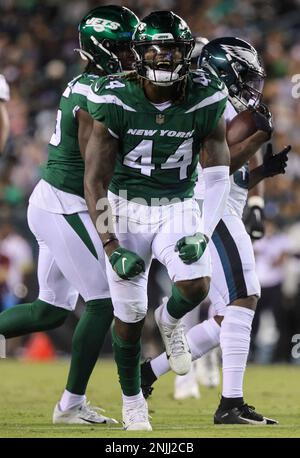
{"x": 217, "y": 186}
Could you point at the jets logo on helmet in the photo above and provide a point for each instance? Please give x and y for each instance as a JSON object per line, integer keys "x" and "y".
{"x": 105, "y": 35}
{"x": 99, "y": 25}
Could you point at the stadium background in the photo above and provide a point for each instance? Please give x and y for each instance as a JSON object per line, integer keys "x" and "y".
{"x": 37, "y": 39}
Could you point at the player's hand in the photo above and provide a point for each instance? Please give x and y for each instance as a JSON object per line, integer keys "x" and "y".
{"x": 263, "y": 120}
{"x": 274, "y": 164}
{"x": 126, "y": 263}
{"x": 4, "y": 89}
{"x": 254, "y": 218}
{"x": 191, "y": 247}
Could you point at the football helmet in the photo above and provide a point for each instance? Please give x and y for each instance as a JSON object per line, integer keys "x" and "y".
{"x": 237, "y": 64}
{"x": 105, "y": 35}
{"x": 162, "y": 44}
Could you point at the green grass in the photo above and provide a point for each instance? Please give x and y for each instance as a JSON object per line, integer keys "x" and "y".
{"x": 29, "y": 392}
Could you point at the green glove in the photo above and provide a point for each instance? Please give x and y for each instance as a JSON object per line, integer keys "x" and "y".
{"x": 192, "y": 247}
{"x": 126, "y": 263}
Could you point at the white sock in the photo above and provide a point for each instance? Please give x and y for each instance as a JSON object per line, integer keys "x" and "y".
{"x": 160, "y": 365}
{"x": 167, "y": 318}
{"x": 203, "y": 337}
{"x": 235, "y": 342}
{"x": 69, "y": 400}
{"x": 191, "y": 318}
{"x": 132, "y": 399}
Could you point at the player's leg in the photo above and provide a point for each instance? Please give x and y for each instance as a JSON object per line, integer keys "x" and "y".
{"x": 186, "y": 386}
{"x": 201, "y": 339}
{"x": 55, "y": 301}
{"x": 190, "y": 281}
{"x": 81, "y": 263}
{"x": 130, "y": 307}
{"x": 234, "y": 265}
{"x": 207, "y": 368}
{"x": 87, "y": 270}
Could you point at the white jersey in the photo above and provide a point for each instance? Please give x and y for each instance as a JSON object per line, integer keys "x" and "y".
{"x": 238, "y": 181}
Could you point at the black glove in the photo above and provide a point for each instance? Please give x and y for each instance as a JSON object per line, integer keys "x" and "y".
{"x": 263, "y": 119}
{"x": 274, "y": 164}
{"x": 254, "y": 217}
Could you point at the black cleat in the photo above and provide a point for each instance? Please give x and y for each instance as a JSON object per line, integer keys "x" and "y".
{"x": 147, "y": 378}
{"x": 242, "y": 415}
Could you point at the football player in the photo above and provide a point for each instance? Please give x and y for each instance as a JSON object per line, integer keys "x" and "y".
{"x": 71, "y": 257}
{"x": 234, "y": 289}
{"x": 146, "y": 139}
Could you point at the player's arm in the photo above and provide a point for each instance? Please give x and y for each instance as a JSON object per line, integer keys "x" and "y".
{"x": 216, "y": 161}
{"x": 241, "y": 152}
{"x": 254, "y": 214}
{"x": 85, "y": 127}
{"x": 216, "y": 176}
{"x": 259, "y": 187}
{"x": 100, "y": 157}
{"x": 273, "y": 164}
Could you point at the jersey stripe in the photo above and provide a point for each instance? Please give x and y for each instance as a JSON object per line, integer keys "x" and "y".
{"x": 76, "y": 223}
{"x": 82, "y": 89}
{"x": 216, "y": 97}
{"x": 113, "y": 134}
{"x": 110, "y": 99}
{"x": 231, "y": 262}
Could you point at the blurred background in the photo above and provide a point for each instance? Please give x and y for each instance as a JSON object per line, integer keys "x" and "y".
{"x": 37, "y": 39}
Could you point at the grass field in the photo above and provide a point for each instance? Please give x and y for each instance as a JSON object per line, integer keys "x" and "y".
{"x": 29, "y": 392}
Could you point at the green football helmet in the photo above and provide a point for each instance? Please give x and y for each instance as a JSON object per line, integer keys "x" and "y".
{"x": 237, "y": 64}
{"x": 105, "y": 35}
{"x": 162, "y": 44}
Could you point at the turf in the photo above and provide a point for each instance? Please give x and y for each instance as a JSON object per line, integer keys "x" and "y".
{"x": 29, "y": 392}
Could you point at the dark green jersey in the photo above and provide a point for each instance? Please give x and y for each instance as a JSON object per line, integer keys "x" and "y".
{"x": 65, "y": 166}
{"x": 159, "y": 150}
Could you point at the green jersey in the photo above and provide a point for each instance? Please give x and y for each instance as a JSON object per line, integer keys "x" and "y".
{"x": 159, "y": 144}
{"x": 65, "y": 166}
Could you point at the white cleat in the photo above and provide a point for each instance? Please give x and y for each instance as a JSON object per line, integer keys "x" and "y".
{"x": 177, "y": 349}
{"x": 83, "y": 414}
{"x": 186, "y": 386}
{"x": 136, "y": 417}
{"x": 207, "y": 369}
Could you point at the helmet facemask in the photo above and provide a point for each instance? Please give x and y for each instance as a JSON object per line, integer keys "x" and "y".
{"x": 119, "y": 56}
{"x": 246, "y": 90}
{"x": 163, "y": 63}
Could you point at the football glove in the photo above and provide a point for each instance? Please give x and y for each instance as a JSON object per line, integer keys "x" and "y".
{"x": 254, "y": 217}
{"x": 274, "y": 164}
{"x": 126, "y": 263}
{"x": 263, "y": 119}
{"x": 192, "y": 247}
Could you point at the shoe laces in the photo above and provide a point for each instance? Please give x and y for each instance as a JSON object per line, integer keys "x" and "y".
{"x": 247, "y": 407}
{"x": 91, "y": 412}
{"x": 137, "y": 413}
{"x": 177, "y": 343}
